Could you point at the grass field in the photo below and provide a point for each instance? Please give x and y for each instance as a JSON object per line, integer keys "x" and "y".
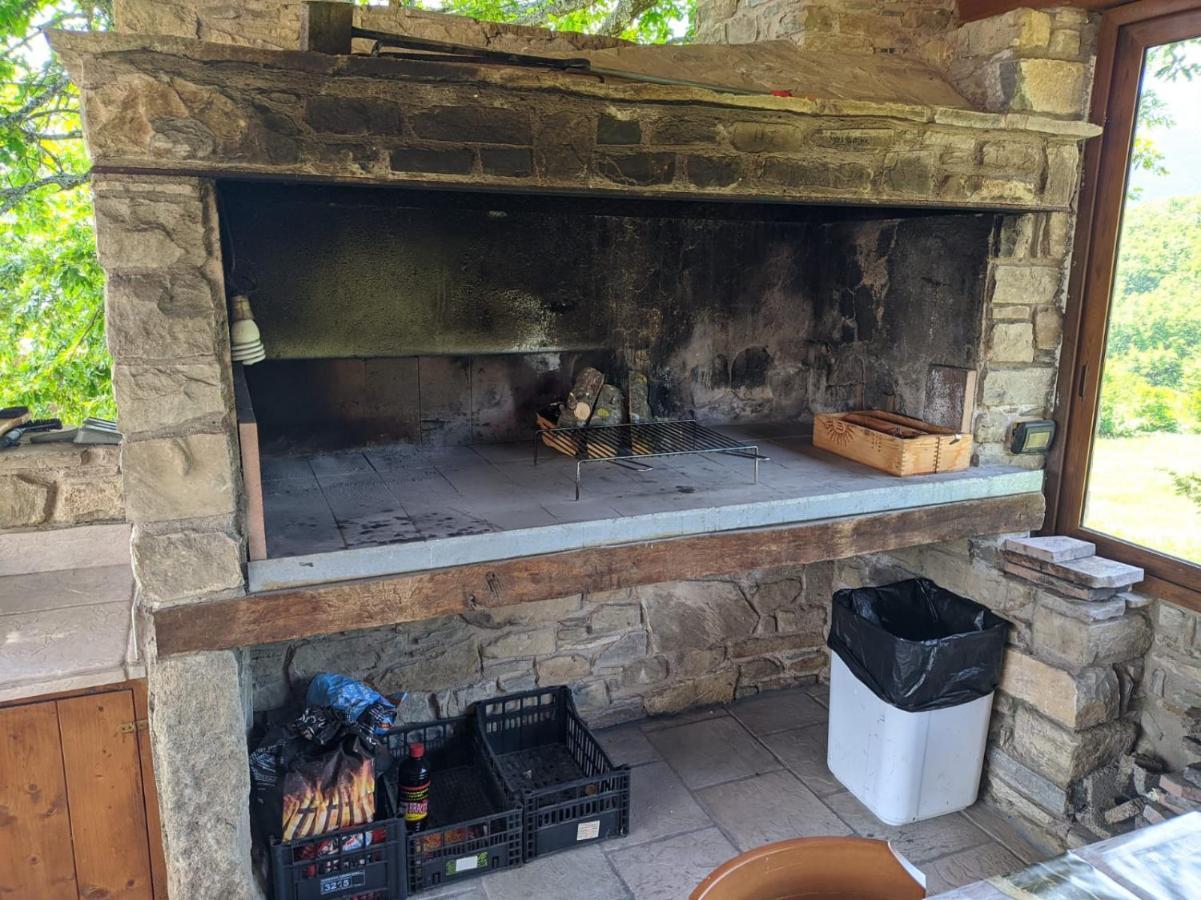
{"x": 1131, "y": 496}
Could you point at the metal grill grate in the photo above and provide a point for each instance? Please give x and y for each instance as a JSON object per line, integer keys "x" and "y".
{"x": 625, "y": 445}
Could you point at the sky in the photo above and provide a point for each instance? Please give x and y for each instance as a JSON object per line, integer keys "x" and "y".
{"x": 1180, "y": 143}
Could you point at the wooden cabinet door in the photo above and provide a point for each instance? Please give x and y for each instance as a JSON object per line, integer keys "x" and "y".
{"x": 74, "y": 779}
{"x": 35, "y": 829}
{"x": 104, "y": 790}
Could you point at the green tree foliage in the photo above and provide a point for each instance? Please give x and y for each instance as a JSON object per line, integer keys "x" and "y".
{"x": 52, "y": 352}
{"x": 1152, "y": 379}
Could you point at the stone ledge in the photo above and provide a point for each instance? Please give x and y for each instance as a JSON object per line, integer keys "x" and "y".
{"x": 164, "y": 105}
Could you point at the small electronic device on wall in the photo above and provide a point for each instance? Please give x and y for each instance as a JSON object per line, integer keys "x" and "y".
{"x": 1032, "y": 437}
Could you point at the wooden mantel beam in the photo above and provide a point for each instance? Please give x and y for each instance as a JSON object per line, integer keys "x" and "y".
{"x": 970, "y": 10}
{"x": 371, "y": 603}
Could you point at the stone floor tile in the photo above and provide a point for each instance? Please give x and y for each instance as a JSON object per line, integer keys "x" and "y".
{"x": 803, "y": 751}
{"x": 661, "y": 805}
{"x": 779, "y": 711}
{"x": 704, "y": 714}
{"x": 919, "y": 841}
{"x": 820, "y": 693}
{"x": 580, "y": 874}
{"x": 472, "y": 889}
{"x": 627, "y": 745}
{"x": 1005, "y": 831}
{"x": 712, "y": 751}
{"x": 669, "y": 869}
{"x": 967, "y": 866}
{"x": 767, "y": 808}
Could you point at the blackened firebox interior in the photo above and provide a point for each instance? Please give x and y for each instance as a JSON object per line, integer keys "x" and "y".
{"x": 410, "y": 334}
{"x": 450, "y": 318}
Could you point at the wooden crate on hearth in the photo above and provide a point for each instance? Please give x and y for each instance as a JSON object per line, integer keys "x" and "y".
{"x": 892, "y": 443}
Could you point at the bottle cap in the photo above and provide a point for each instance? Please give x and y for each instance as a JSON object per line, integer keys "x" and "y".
{"x": 417, "y": 750}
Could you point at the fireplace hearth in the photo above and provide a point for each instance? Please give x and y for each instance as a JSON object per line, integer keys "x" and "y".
{"x": 402, "y": 328}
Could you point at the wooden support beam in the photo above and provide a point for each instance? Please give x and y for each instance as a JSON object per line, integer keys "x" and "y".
{"x": 371, "y": 603}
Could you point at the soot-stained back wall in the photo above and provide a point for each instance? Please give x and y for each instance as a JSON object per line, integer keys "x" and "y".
{"x": 737, "y": 313}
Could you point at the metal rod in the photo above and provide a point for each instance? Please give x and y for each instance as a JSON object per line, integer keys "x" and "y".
{"x": 626, "y": 444}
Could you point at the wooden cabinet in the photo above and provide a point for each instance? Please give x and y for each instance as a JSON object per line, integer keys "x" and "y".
{"x": 78, "y": 812}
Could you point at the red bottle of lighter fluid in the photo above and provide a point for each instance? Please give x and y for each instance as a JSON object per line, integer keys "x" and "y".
{"x": 413, "y": 780}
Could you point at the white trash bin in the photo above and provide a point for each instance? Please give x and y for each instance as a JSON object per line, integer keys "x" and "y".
{"x": 904, "y": 766}
{"x": 913, "y": 668}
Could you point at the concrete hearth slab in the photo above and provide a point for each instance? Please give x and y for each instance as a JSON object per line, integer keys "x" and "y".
{"x": 392, "y": 510}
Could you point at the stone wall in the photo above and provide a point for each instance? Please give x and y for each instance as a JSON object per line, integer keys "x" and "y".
{"x": 275, "y": 25}
{"x": 626, "y": 654}
{"x": 208, "y": 108}
{"x": 58, "y": 485}
{"x": 1065, "y": 707}
{"x": 1022, "y": 331}
{"x": 167, "y": 332}
{"x": 1025, "y": 60}
{"x": 1169, "y": 696}
{"x": 855, "y": 26}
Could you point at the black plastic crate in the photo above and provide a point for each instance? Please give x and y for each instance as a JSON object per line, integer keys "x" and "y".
{"x": 363, "y": 862}
{"x": 546, "y": 757}
{"x": 472, "y": 827}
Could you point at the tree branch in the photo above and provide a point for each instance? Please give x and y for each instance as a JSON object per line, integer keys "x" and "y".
{"x": 11, "y": 196}
{"x": 623, "y": 16}
{"x": 538, "y": 13}
{"x": 49, "y": 90}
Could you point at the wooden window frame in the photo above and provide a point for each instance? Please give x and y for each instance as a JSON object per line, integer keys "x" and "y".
{"x": 1125, "y": 32}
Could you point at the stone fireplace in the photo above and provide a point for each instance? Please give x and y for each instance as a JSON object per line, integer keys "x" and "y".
{"x": 431, "y": 249}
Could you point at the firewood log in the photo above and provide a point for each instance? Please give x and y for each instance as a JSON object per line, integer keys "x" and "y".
{"x": 581, "y": 401}
{"x": 610, "y": 407}
{"x": 638, "y": 397}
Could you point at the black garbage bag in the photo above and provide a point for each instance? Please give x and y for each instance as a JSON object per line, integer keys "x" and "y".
{"x": 917, "y": 646}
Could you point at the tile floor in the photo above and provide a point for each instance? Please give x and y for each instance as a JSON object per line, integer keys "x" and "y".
{"x": 710, "y": 784}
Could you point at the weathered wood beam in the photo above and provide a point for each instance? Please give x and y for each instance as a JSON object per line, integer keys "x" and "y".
{"x": 326, "y": 27}
{"x": 370, "y": 603}
{"x": 970, "y": 10}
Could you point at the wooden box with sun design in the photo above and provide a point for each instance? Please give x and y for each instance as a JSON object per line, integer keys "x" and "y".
{"x": 892, "y": 443}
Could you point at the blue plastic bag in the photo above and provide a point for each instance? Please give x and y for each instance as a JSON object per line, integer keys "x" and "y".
{"x": 352, "y": 699}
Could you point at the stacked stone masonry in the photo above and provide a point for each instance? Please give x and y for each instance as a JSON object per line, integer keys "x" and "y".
{"x": 1025, "y": 60}
{"x": 276, "y": 25}
{"x": 170, "y": 104}
{"x": 854, "y": 26}
{"x": 626, "y": 654}
{"x": 1169, "y": 695}
{"x": 59, "y": 485}
{"x": 165, "y": 304}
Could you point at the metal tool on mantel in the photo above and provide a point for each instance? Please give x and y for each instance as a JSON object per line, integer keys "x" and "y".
{"x": 328, "y": 27}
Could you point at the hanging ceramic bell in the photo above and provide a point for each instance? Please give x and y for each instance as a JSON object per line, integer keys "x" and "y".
{"x": 246, "y": 345}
